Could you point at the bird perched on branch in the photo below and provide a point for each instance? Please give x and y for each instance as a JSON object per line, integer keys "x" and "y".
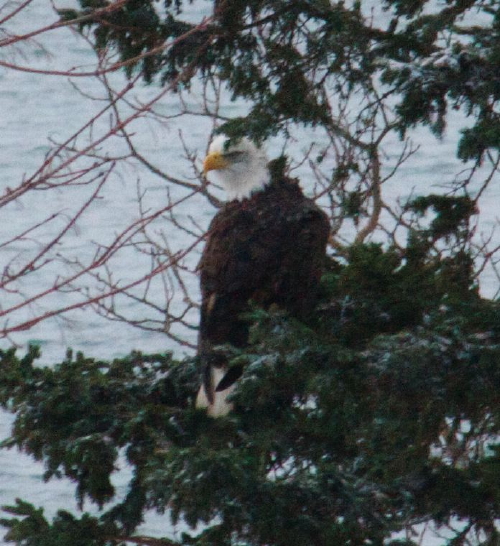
{"x": 266, "y": 246}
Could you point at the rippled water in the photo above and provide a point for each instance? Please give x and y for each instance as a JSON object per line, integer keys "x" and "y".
{"x": 34, "y": 108}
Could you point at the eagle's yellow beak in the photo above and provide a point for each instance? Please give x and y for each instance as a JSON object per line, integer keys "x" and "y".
{"x": 214, "y": 161}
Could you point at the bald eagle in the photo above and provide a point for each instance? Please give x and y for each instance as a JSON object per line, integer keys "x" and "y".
{"x": 266, "y": 245}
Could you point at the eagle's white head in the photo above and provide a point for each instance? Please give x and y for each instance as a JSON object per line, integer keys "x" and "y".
{"x": 241, "y": 167}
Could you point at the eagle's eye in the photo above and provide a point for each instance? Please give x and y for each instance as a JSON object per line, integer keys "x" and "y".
{"x": 235, "y": 155}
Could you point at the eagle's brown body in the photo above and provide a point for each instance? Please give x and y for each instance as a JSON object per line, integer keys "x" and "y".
{"x": 268, "y": 249}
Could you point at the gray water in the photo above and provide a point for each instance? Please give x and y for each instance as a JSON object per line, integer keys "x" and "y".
{"x": 35, "y": 108}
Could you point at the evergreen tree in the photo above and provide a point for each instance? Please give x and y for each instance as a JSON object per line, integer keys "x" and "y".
{"x": 379, "y": 414}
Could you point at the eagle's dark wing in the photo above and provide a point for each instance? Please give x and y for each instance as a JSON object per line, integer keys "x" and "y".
{"x": 268, "y": 249}
{"x": 238, "y": 260}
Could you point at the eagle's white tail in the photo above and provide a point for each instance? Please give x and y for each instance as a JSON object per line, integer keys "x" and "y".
{"x": 220, "y": 406}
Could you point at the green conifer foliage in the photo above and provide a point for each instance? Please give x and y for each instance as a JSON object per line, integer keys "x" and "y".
{"x": 283, "y": 56}
{"x": 382, "y": 412}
